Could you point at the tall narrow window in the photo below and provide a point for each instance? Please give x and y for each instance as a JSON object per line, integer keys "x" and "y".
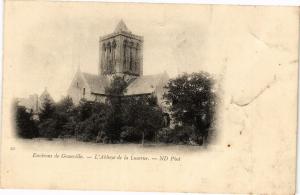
{"x": 83, "y": 91}
{"x": 137, "y": 56}
{"x": 108, "y": 58}
{"x": 130, "y": 56}
{"x": 103, "y": 58}
{"x": 114, "y": 45}
{"x": 124, "y": 55}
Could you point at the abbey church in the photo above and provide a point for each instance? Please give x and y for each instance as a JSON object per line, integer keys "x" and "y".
{"x": 120, "y": 54}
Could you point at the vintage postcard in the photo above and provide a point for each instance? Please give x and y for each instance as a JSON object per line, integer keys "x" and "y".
{"x": 149, "y": 97}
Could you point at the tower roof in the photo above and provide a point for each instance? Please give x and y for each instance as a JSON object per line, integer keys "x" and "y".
{"x": 45, "y": 95}
{"x": 121, "y": 27}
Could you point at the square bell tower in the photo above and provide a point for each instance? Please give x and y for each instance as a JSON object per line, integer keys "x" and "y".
{"x": 121, "y": 53}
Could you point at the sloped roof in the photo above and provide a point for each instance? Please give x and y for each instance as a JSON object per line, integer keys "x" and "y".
{"x": 45, "y": 95}
{"x": 140, "y": 85}
{"x": 96, "y": 83}
{"x": 145, "y": 84}
{"x": 121, "y": 27}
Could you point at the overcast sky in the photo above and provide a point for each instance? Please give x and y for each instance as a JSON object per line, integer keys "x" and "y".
{"x": 46, "y": 42}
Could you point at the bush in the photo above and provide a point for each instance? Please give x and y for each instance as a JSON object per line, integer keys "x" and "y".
{"x": 102, "y": 137}
{"x": 85, "y": 131}
{"x": 164, "y": 135}
{"x": 48, "y": 128}
{"x": 130, "y": 134}
{"x": 90, "y": 128}
{"x": 68, "y": 129}
{"x": 177, "y": 135}
{"x": 182, "y": 134}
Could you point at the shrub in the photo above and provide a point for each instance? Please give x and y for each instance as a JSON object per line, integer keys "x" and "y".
{"x": 130, "y": 134}
{"x": 48, "y": 128}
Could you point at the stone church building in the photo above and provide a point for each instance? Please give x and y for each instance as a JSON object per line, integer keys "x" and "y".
{"x": 120, "y": 54}
{"x": 34, "y": 103}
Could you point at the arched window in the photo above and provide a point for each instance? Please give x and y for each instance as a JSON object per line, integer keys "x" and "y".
{"x": 131, "y": 56}
{"x": 137, "y": 57}
{"x": 125, "y": 43}
{"x": 104, "y": 57}
{"x": 113, "y": 56}
{"x": 109, "y": 46}
{"x": 108, "y": 57}
{"x": 114, "y": 44}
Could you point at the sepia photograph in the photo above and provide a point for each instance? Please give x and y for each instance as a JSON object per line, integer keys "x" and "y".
{"x": 149, "y": 97}
{"x": 120, "y": 104}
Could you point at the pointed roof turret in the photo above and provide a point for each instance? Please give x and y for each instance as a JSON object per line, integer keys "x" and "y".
{"x": 45, "y": 95}
{"x": 121, "y": 27}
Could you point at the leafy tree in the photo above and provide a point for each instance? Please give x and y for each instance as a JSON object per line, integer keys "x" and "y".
{"x": 48, "y": 122}
{"x": 93, "y": 125}
{"x": 115, "y": 93}
{"x": 47, "y": 110}
{"x": 25, "y": 125}
{"x": 65, "y": 105}
{"x": 65, "y": 117}
{"x": 131, "y": 118}
{"x": 117, "y": 87}
{"x": 83, "y": 110}
{"x": 143, "y": 118}
{"x": 192, "y": 102}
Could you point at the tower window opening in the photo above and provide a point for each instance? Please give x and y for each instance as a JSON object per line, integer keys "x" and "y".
{"x": 130, "y": 57}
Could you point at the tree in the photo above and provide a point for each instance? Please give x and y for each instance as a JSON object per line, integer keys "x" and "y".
{"x": 93, "y": 125}
{"x": 131, "y": 119}
{"x": 143, "y": 118}
{"x": 65, "y": 117}
{"x": 47, "y": 109}
{"x": 65, "y": 105}
{"x": 117, "y": 87}
{"x": 25, "y": 125}
{"x": 115, "y": 93}
{"x": 83, "y": 110}
{"x": 192, "y": 102}
{"x": 48, "y": 123}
